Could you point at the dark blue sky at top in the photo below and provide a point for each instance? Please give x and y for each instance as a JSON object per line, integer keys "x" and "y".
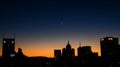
{"x": 48, "y": 18}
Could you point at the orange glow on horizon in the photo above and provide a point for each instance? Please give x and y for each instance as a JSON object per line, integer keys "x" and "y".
{"x": 48, "y": 51}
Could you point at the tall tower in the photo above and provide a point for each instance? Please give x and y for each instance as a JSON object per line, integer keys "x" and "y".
{"x": 109, "y": 47}
{"x": 8, "y": 48}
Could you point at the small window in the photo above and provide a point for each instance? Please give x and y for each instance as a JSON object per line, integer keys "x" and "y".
{"x": 4, "y": 41}
{"x": 110, "y": 38}
{"x": 12, "y": 41}
{"x": 102, "y": 39}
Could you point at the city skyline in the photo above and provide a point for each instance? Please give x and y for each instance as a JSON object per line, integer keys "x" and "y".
{"x": 110, "y": 55}
{"x": 41, "y": 26}
{"x": 52, "y": 54}
{"x": 47, "y": 54}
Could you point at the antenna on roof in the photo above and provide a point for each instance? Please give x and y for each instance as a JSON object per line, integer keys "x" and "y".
{"x": 14, "y": 35}
{"x": 79, "y": 44}
{"x": 68, "y": 41}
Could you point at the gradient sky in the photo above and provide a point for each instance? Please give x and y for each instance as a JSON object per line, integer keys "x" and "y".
{"x": 45, "y": 25}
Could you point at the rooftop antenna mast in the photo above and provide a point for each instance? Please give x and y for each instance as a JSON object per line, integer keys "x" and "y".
{"x": 79, "y": 44}
{"x": 68, "y": 41}
{"x": 14, "y": 35}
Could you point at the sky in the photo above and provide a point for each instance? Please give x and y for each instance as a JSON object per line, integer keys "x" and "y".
{"x": 40, "y": 26}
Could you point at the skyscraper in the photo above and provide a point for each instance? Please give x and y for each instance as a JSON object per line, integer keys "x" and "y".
{"x": 8, "y": 48}
{"x": 109, "y": 47}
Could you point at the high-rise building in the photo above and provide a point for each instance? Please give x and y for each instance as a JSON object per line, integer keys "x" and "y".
{"x": 8, "y": 47}
{"x": 109, "y": 47}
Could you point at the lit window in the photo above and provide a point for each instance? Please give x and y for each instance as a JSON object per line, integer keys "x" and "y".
{"x": 110, "y": 38}
{"x": 4, "y": 41}
{"x": 102, "y": 39}
{"x": 12, "y": 41}
{"x": 12, "y": 55}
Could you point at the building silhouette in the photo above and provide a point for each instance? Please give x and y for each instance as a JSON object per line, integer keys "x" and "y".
{"x": 20, "y": 59}
{"x": 110, "y": 56}
{"x": 57, "y": 54}
{"x": 110, "y": 52}
{"x": 85, "y": 51}
{"x": 11, "y": 58}
{"x": 8, "y": 48}
{"x": 20, "y": 53}
{"x": 68, "y": 51}
{"x": 109, "y": 47}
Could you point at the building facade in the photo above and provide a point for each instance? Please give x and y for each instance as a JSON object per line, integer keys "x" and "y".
{"x": 110, "y": 47}
{"x": 57, "y": 54}
{"x": 8, "y": 47}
